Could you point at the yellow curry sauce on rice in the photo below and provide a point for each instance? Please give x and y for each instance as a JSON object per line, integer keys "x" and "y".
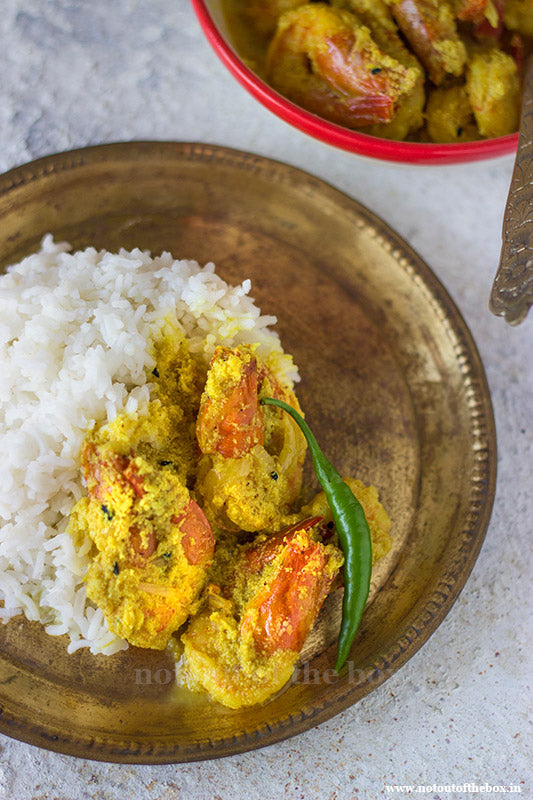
{"x": 184, "y": 526}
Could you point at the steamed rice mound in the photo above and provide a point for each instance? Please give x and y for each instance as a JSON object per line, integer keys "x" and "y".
{"x": 76, "y": 333}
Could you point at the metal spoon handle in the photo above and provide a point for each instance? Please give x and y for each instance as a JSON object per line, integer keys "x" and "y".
{"x": 512, "y": 290}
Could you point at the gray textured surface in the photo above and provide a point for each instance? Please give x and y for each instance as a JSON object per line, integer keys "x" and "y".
{"x": 75, "y": 73}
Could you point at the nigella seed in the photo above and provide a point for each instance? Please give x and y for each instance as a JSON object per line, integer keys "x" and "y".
{"x": 459, "y": 131}
{"x": 376, "y": 70}
{"x": 330, "y": 525}
{"x": 108, "y": 512}
{"x": 115, "y": 568}
{"x": 155, "y": 372}
{"x": 274, "y": 476}
{"x": 164, "y": 463}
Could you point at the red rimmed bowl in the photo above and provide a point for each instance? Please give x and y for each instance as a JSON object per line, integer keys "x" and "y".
{"x": 214, "y": 25}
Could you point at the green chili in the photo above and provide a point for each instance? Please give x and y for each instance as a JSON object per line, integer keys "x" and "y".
{"x": 353, "y": 532}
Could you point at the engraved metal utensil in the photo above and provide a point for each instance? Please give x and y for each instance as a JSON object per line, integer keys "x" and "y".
{"x": 512, "y": 290}
{"x": 340, "y": 282}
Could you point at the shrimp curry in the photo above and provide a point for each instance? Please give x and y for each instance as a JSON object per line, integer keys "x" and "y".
{"x": 421, "y": 70}
{"x": 197, "y": 535}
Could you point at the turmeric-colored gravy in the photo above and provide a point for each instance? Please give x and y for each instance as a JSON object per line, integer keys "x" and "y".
{"x": 421, "y": 70}
{"x": 196, "y": 527}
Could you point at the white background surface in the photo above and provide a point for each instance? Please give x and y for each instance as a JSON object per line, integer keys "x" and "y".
{"x": 75, "y": 73}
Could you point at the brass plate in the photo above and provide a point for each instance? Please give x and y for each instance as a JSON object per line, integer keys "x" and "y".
{"x": 391, "y": 382}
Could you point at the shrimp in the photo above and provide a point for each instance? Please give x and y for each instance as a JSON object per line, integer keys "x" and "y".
{"x": 429, "y": 27}
{"x": 493, "y": 87}
{"x": 476, "y": 11}
{"x": 485, "y": 16}
{"x": 152, "y": 544}
{"x": 243, "y": 644}
{"x": 450, "y": 116}
{"x": 332, "y": 62}
{"x": 250, "y": 470}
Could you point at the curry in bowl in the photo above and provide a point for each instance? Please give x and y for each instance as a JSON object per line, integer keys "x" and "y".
{"x": 421, "y": 70}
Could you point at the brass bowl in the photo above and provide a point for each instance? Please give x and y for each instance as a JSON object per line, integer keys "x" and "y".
{"x": 391, "y": 382}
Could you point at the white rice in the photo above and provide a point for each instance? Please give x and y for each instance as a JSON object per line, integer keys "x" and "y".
{"x": 75, "y": 332}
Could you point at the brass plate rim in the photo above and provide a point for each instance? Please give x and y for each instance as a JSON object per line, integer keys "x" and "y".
{"x": 421, "y": 626}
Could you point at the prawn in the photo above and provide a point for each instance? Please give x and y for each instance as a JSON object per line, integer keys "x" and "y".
{"x": 494, "y": 90}
{"x": 486, "y": 16}
{"x": 152, "y": 544}
{"x": 243, "y": 644}
{"x": 430, "y": 28}
{"x": 250, "y": 469}
{"x": 334, "y": 64}
{"x": 477, "y": 11}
